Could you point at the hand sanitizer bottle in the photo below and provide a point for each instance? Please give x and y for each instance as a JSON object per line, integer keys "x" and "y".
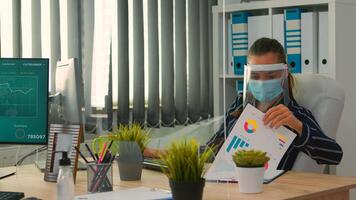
{"x": 65, "y": 182}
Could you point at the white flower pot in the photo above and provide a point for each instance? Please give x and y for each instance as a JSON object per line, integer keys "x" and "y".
{"x": 250, "y": 179}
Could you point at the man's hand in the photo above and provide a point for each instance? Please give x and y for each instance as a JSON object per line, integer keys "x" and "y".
{"x": 280, "y": 115}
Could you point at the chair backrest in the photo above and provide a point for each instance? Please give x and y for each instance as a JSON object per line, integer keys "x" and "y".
{"x": 325, "y": 98}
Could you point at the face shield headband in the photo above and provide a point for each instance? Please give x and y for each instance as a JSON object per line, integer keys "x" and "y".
{"x": 271, "y": 67}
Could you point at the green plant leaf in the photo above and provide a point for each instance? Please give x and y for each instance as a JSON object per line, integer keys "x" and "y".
{"x": 183, "y": 161}
{"x": 133, "y": 132}
{"x": 250, "y": 158}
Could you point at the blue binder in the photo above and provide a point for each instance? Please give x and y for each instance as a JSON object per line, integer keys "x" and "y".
{"x": 239, "y": 38}
{"x": 292, "y": 38}
{"x": 239, "y": 86}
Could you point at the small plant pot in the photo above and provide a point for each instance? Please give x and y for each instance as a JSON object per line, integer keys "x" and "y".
{"x": 129, "y": 161}
{"x": 187, "y": 190}
{"x": 250, "y": 179}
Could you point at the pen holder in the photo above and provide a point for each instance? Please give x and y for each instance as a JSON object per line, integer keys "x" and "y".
{"x": 100, "y": 178}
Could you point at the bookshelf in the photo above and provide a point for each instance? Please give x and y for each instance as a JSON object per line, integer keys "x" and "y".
{"x": 341, "y": 57}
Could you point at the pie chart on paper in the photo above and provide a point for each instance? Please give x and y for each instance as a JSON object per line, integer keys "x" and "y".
{"x": 250, "y": 126}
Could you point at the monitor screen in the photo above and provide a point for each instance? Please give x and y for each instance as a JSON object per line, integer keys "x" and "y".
{"x": 23, "y": 100}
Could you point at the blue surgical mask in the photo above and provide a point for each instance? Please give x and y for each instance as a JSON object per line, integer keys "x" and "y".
{"x": 265, "y": 90}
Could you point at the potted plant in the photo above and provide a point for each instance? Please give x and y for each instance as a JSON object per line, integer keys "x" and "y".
{"x": 130, "y": 143}
{"x": 250, "y": 169}
{"x": 184, "y": 167}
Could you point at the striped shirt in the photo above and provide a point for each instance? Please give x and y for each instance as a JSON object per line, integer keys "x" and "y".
{"x": 312, "y": 141}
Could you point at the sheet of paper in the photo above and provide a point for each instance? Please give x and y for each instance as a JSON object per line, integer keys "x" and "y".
{"x": 249, "y": 132}
{"x": 139, "y": 193}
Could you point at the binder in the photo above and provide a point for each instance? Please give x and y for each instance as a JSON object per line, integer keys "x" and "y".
{"x": 278, "y": 28}
{"x": 323, "y": 46}
{"x": 292, "y": 38}
{"x": 239, "y": 40}
{"x": 258, "y": 27}
{"x": 239, "y": 86}
{"x": 309, "y": 27}
{"x": 230, "y": 61}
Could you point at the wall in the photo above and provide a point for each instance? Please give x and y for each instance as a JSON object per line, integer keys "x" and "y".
{"x": 345, "y": 74}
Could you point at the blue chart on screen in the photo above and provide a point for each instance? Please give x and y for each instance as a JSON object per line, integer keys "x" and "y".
{"x": 23, "y": 100}
{"x": 236, "y": 143}
{"x": 18, "y": 96}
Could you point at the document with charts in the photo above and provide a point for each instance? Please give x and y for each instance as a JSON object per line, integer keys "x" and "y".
{"x": 249, "y": 132}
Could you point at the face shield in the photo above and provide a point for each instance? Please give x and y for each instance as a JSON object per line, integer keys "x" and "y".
{"x": 266, "y": 85}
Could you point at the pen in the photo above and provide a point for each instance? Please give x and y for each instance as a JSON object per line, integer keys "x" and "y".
{"x": 81, "y": 155}
{"x": 107, "y": 157}
{"x": 85, "y": 160}
{"x": 110, "y": 144}
{"x": 90, "y": 152}
{"x": 108, "y": 149}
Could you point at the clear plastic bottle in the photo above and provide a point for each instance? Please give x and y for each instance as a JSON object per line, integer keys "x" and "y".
{"x": 65, "y": 182}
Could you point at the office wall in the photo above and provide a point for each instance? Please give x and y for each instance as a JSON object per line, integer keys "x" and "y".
{"x": 345, "y": 74}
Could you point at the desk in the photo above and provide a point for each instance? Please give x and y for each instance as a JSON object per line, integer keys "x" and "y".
{"x": 292, "y": 185}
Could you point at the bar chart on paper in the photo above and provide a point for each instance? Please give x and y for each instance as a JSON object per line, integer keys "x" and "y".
{"x": 18, "y": 96}
{"x": 236, "y": 143}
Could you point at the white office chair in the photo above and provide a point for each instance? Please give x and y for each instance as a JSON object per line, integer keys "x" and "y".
{"x": 325, "y": 98}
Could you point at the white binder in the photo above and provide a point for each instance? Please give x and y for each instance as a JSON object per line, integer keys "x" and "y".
{"x": 323, "y": 46}
{"x": 230, "y": 59}
{"x": 278, "y": 28}
{"x": 309, "y": 26}
{"x": 258, "y": 26}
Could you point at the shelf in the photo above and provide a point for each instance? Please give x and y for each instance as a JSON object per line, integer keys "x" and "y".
{"x": 231, "y": 76}
{"x": 270, "y": 4}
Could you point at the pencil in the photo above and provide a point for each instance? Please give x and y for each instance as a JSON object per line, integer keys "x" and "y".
{"x": 103, "y": 151}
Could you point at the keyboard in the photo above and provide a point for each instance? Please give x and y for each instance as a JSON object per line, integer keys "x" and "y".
{"x": 153, "y": 164}
{"x": 11, "y": 195}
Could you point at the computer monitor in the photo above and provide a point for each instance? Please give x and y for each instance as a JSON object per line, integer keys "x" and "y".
{"x": 23, "y": 100}
{"x": 69, "y": 86}
{"x": 68, "y": 99}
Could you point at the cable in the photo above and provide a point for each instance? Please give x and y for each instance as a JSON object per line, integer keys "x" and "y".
{"x": 19, "y": 162}
{"x": 37, "y": 150}
{"x": 91, "y": 131}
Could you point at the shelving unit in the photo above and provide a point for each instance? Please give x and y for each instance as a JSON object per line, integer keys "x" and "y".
{"x": 341, "y": 51}
{"x": 229, "y": 76}
{"x": 221, "y": 14}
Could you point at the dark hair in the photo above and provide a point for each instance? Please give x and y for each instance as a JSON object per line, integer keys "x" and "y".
{"x": 267, "y": 45}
